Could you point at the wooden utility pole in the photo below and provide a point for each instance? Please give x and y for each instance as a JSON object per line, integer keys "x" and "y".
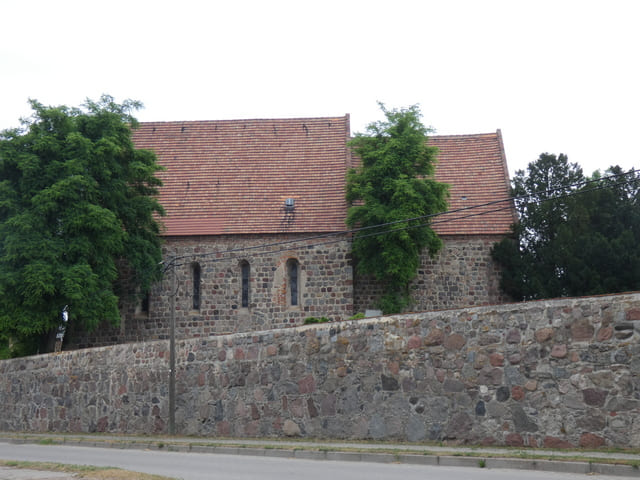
{"x": 172, "y": 352}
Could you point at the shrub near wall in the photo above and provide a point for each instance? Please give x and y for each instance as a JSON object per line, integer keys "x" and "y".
{"x": 551, "y": 373}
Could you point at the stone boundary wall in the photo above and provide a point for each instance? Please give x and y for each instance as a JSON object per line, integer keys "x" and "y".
{"x": 560, "y": 373}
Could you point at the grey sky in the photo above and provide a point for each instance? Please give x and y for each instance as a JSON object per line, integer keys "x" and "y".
{"x": 555, "y": 76}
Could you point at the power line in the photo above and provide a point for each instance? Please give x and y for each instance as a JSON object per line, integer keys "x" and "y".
{"x": 413, "y": 219}
{"x": 345, "y": 232}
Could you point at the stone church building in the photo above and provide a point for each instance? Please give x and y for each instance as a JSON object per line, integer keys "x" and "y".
{"x": 254, "y": 236}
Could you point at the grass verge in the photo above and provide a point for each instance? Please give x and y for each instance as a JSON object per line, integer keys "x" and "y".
{"x": 84, "y": 471}
{"x": 169, "y": 444}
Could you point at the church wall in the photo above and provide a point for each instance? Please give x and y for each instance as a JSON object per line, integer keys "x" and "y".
{"x": 325, "y": 288}
{"x": 462, "y": 274}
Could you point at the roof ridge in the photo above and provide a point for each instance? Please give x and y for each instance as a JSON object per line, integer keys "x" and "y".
{"x": 467, "y": 135}
{"x": 241, "y": 120}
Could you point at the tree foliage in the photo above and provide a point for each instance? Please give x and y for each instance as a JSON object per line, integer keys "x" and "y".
{"x": 76, "y": 198}
{"x": 393, "y": 184}
{"x": 576, "y": 236}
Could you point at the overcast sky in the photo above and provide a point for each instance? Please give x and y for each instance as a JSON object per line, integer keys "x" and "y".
{"x": 555, "y": 76}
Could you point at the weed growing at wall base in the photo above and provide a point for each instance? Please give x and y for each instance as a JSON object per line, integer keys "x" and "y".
{"x": 312, "y": 320}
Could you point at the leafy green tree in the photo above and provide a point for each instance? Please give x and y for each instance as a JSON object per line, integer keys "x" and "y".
{"x": 76, "y": 201}
{"x": 576, "y": 235}
{"x": 393, "y": 184}
{"x": 602, "y": 236}
{"x": 530, "y": 263}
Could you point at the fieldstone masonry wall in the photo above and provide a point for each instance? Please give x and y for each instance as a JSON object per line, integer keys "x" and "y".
{"x": 462, "y": 274}
{"x": 325, "y": 288}
{"x": 550, "y": 373}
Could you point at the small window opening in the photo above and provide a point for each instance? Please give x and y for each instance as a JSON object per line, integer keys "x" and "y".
{"x": 245, "y": 270}
{"x": 195, "y": 273}
{"x": 144, "y": 303}
{"x": 293, "y": 268}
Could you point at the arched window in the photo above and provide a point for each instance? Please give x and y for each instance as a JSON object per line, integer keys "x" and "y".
{"x": 245, "y": 275}
{"x": 293, "y": 281}
{"x": 195, "y": 277}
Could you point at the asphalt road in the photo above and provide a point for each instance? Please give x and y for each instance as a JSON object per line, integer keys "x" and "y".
{"x": 203, "y": 466}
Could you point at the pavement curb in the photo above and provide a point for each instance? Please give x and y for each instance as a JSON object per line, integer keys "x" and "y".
{"x": 326, "y": 453}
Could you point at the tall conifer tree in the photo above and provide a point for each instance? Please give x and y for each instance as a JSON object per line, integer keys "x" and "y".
{"x": 576, "y": 236}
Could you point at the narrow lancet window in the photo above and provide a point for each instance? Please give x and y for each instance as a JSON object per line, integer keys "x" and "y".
{"x": 195, "y": 274}
{"x": 245, "y": 272}
{"x": 293, "y": 270}
{"x": 144, "y": 303}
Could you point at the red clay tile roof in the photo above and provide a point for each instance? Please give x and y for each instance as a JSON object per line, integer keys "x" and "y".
{"x": 475, "y": 168}
{"x": 233, "y": 176}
